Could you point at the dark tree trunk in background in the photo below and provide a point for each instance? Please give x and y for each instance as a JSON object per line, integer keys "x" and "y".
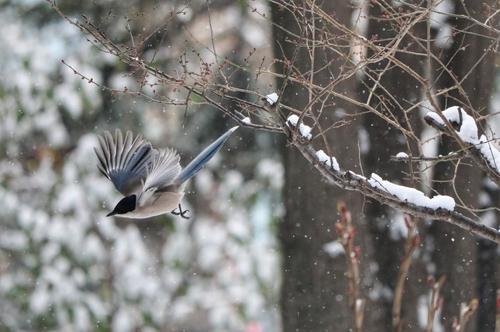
{"x": 400, "y": 91}
{"x": 457, "y": 254}
{"x": 314, "y": 296}
{"x": 488, "y": 267}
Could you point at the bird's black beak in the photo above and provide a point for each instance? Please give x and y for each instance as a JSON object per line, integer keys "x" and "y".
{"x": 112, "y": 213}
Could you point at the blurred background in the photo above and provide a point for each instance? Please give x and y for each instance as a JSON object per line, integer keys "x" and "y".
{"x": 63, "y": 265}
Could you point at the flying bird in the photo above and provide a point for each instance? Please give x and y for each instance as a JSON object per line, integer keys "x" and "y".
{"x": 151, "y": 180}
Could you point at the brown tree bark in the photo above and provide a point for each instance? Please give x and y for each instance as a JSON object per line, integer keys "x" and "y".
{"x": 397, "y": 90}
{"x": 314, "y": 296}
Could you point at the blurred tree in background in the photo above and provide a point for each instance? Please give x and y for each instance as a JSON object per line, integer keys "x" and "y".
{"x": 452, "y": 52}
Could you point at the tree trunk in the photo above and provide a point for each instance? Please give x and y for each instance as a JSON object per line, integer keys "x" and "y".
{"x": 314, "y": 289}
{"x": 456, "y": 251}
{"x": 396, "y": 91}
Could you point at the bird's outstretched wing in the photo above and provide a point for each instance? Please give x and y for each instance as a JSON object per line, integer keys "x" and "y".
{"x": 124, "y": 161}
{"x": 163, "y": 170}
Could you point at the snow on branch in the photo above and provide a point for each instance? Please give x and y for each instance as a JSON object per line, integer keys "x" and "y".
{"x": 402, "y": 198}
{"x": 272, "y": 98}
{"x": 403, "y": 193}
{"x": 489, "y": 152}
{"x": 463, "y": 123}
{"x": 305, "y": 131}
{"x": 480, "y": 149}
{"x": 402, "y": 155}
{"x": 329, "y": 161}
{"x": 412, "y": 195}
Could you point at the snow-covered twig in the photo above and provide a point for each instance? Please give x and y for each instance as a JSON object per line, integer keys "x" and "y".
{"x": 412, "y": 195}
{"x": 402, "y": 155}
{"x": 272, "y": 98}
{"x": 246, "y": 120}
{"x": 465, "y": 131}
{"x": 351, "y": 181}
{"x": 329, "y": 161}
{"x": 304, "y": 130}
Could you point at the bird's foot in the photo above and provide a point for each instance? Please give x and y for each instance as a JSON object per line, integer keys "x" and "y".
{"x": 182, "y": 213}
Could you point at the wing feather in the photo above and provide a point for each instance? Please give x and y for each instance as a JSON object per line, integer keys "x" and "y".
{"x": 119, "y": 149}
{"x": 124, "y": 161}
{"x": 163, "y": 171}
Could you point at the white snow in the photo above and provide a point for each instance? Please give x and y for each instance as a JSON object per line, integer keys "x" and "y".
{"x": 246, "y": 120}
{"x": 356, "y": 176}
{"x": 468, "y": 133}
{"x": 272, "y": 98}
{"x": 327, "y": 160}
{"x": 305, "y": 131}
{"x": 489, "y": 152}
{"x": 333, "y": 248}
{"x": 468, "y": 127}
{"x": 412, "y": 195}
{"x": 402, "y": 155}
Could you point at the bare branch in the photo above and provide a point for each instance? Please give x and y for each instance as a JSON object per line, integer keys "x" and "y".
{"x": 412, "y": 242}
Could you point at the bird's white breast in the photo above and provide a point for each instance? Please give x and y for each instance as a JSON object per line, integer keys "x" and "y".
{"x": 157, "y": 204}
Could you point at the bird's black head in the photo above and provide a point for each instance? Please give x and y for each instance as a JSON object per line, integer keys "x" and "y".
{"x": 125, "y": 205}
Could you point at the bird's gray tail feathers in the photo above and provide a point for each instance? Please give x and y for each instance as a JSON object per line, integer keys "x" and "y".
{"x": 197, "y": 163}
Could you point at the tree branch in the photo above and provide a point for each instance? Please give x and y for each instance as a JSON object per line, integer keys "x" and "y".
{"x": 351, "y": 181}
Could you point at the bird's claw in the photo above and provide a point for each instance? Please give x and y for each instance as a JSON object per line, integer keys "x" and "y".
{"x": 182, "y": 213}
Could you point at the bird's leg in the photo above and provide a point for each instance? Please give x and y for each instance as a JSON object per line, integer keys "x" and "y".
{"x": 181, "y": 212}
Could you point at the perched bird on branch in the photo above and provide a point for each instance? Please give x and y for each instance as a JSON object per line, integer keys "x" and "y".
{"x": 151, "y": 180}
